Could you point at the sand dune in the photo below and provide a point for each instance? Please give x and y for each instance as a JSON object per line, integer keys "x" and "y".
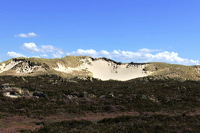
{"x": 9, "y": 66}
{"x": 101, "y": 68}
{"x": 106, "y": 70}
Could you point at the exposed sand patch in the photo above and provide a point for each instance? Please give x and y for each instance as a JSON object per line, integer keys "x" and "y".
{"x": 9, "y": 66}
{"x": 22, "y": 69}
{"x": 99, "y": 68}
{"x": 25, "y": 68}
{"x": 8, "y": 94}
{"x": 106, "y": 70}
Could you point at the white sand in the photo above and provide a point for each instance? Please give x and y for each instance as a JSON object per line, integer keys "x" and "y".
{"x": 9, "y": 66}
{"x": 7, "y": 94}
{"x": 106, "y": 70}
{"x": 100, "y": 68}
{"x": 25, "y": 68}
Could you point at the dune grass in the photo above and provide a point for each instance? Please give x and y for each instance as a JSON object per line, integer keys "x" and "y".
{"x": 173, "y": 71}
{"x": 157, "y": 69}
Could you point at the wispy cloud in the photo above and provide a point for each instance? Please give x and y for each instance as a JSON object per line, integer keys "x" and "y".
{"x": 31, "y": 34}
{"x": 145, "y": 50}
{"x": 14, "y": 54}
{"x": 43, "y": 55}
{"x": 33, "y": 48}
{"x": 89, "y": 52}
{"x": 142, "y": 55}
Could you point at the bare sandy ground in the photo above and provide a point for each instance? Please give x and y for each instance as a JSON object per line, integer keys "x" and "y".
{"x": 9, "y": 66}
{"x": 106, "y": 70}
{"x": 99, "y": 68}
{"x": 24, "y": 68}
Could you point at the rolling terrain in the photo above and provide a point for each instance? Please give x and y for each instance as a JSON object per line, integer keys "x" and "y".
{"x": 84, "y": 94}
{"x": 99, "y": 68}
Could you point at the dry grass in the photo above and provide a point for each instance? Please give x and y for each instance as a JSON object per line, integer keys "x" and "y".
{"x": 5, "y": 62}
{"x": 173, "y": 71}
{"x": 157, "y": 69}
{"x": 50, "y": 64}
{"x": 68, "y": 61}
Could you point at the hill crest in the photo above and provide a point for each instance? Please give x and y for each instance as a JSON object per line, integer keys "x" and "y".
{"x": 100, "y": 68}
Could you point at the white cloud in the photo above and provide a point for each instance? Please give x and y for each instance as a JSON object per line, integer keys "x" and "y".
{"x": 43, "y": 55}
{"x": 145, "y": 50}
{"x": 14, "y": 54}
{"x": 90, "y": 52}
{"x": 58, "y": 54}
{"x": 31, "y": 34}
{"x": 142, "y": 55}
{"x": 105, "y": 53}
{"x": 33, "y": 48}
{"x": 47, "y": 48}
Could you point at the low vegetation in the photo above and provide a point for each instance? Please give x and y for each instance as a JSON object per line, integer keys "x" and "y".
{"x": 173, "y": 71}
{"x": 69, "y": 61}
{"x": 52, "y": 95}
{"x": 127, "y": 124}
{"x": 158, "y": 70}
{"x": 166, "y": 101}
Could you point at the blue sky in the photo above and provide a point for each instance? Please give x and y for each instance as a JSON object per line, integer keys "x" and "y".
{"x": 123, "y": 30}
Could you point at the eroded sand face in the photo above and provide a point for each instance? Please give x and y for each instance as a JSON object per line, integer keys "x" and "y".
{"x": 98, "y": 68}
{"x": 106, "y": 70}
{"x": 23, "y": 69}
{"x": 9, "y": 66}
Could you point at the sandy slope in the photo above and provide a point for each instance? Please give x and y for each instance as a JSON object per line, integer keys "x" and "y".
{"x": 9, "y": 66}
{"x": 99, "y": 68}
{"x": 106, "y": 70}
{"x": 23, "y": 69}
